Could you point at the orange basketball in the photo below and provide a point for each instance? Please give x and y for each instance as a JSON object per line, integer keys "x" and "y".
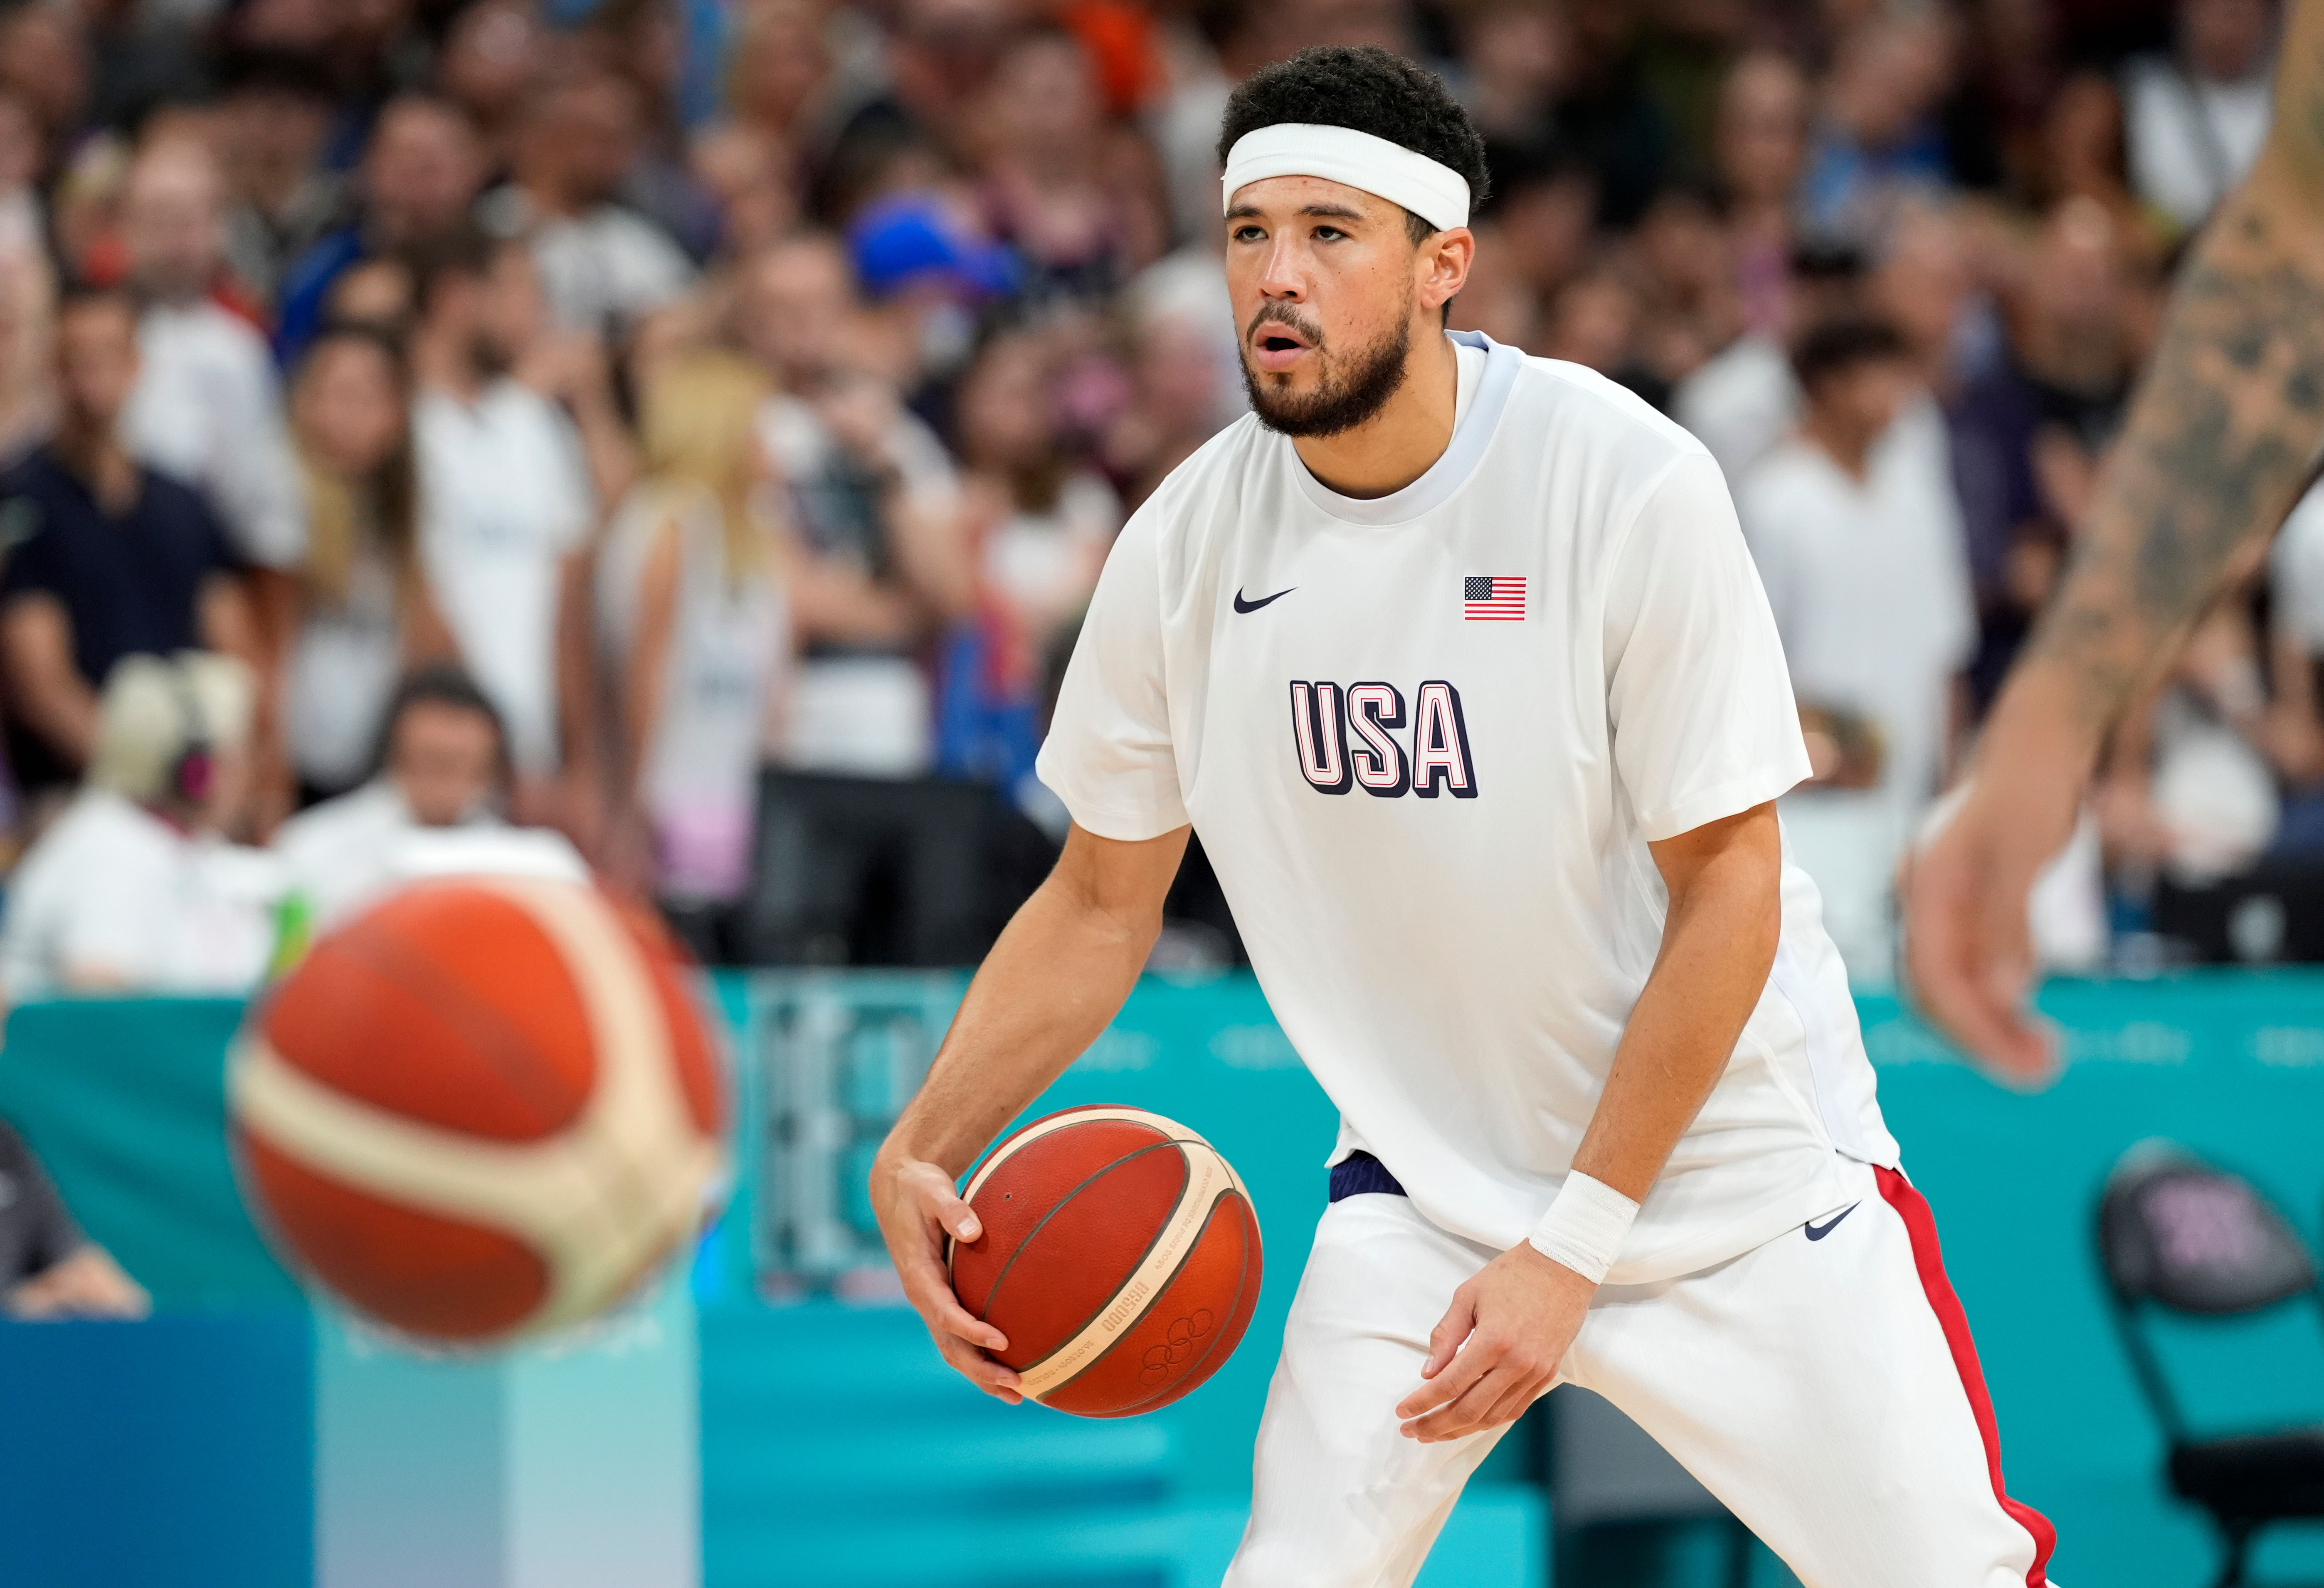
{"x": 483, "y": 1108}
{"x": 1120, "y": 1255}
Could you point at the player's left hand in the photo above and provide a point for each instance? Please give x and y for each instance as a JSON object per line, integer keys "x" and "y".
{"x": 1498, "y": 1349}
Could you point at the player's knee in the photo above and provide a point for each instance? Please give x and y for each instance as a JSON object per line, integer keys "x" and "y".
{"x": 1322, "y": 1558}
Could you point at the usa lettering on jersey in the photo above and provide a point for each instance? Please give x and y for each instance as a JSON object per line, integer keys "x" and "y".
{"x": 1355, "y": 737}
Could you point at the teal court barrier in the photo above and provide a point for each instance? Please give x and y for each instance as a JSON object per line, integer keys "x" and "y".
{"x": 836, "y": 1450}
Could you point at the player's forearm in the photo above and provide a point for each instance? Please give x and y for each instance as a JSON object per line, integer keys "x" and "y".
{"x": 1050, "y": 987}
{"x": 1718, "y": 942}
{"x": 2221, "y": 440}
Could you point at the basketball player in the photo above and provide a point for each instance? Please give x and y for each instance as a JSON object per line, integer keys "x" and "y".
{"x": 2221, "y": 441}
{"x": 1456, "y": 658}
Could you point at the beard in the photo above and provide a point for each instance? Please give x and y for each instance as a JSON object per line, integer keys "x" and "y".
{"x": 1351, "y": 389}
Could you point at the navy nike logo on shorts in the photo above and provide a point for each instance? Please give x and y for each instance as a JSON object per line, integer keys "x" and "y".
{"x": 1817, "y": 1232}
{"x": 1242, "y": 605}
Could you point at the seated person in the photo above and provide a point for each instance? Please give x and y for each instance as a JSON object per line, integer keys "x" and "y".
{"x": 48, "y": 1268}
{"x": 432, "y": 807}
{"x": 105, "y": 557}
{"x": 134, "y": 886}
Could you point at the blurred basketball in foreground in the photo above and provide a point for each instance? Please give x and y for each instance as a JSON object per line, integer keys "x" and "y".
{"x": 485, "y": 1107}
{"x": 1120, "y": 1256}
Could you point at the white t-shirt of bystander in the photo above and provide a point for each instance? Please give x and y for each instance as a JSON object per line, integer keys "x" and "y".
{"x": 207, "y": 409}
{"x": 730, "y": 645}
{"x": 1426, "y": 740}
{"x": 350, "y": 852}
{"x": 2296, "y": 573}
{"x": 504, "y": 495}
{"x": 111, "y": 893}
{"x": 1869, "y": 585}
{"x": 2189, "y": 138}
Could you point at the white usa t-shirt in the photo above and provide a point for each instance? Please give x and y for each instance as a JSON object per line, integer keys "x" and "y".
{"x": 1426, "y": 740}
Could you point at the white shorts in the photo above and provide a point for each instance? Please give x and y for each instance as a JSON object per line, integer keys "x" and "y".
{"x": 1824, "y": 1389}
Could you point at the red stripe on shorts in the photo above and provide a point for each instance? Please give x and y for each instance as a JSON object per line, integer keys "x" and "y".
{"x": 1921, "y": 1226}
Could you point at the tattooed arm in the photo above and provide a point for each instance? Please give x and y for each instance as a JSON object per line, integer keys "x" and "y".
{"x": 2222, "y": 438}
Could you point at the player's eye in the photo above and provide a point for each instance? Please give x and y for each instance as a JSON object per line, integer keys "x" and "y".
{"x": 1250, "y": 234}
{"x": 1328, "y": 234}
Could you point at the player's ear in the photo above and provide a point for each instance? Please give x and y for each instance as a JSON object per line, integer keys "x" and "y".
{"x": 1444, "y": 265}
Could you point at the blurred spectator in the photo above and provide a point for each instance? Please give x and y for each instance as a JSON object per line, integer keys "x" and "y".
{"x": 421, "y": 171}
{"x": 1686, "y": 280}
{"x": 1517, "y": 55}
{"x": 44, "y": 63}
{"x": 493, "y": 56}
{"x": 1875, "y": 141}
{"x": 433, "y": 805}
{"x": 2082, "y": 157}
{"x": 1858, "y": 544}
{"x": 2295, "y": 650}
{"x": 1533, "y": 236}
{"x": 22, "y": 226}
{"x": 1176, "y": 377}
{"x": 48, "y": 1268}
{"x": 1742, "y": 400}
{"x": 1594, "y": 321}
{"x": 1609, "y": 116}
{"x": 693, "y": 629}
{"x": 1760, "y": 143}
{"x": 602, "y": 266}
{"x": 2187, "y": 789}
{"x": 873, "y": 491}
{"x": 1082, "y": 206}
{"x": 206, "y": 407}
{"x": 364, "y": 611}
{"x": 506, "y": 506}
{"x": 2027, "y": 433}
{"x": 28, "y": 354}
{"x": 107, "y": 557}
{"x": 2196, "y": 117}
{"x": 1045, "y": 522}
{"x": 134, "y": 885}
{"x": 272, "y": 125}
{"x": 777, "y": 76}
{"x": 747, "y": 177}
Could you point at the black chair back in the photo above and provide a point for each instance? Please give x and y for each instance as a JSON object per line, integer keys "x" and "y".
{"x": 2195, "y": 1239}
{"x": 2177, "y": 1232}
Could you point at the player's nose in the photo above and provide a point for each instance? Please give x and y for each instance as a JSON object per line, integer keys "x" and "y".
{"x": 1285, "y": 275}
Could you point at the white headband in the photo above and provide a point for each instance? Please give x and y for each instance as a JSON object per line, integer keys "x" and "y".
{"x": 1432, "y": 190}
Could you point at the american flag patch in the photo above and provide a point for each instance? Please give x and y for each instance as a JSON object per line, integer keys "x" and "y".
{"x": 1492, "y": 599}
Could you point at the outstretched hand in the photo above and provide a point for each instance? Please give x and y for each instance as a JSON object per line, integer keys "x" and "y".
{"x": 1969, "y": 951}
{"x": 1498, "y": 1348}
{"x": 918, "y": 1209}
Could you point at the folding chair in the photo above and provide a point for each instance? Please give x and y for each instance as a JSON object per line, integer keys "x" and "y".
{"x": 2178, "y": 1234}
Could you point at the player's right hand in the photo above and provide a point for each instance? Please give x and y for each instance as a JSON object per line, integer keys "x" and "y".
{"x": 918, "y": 1209}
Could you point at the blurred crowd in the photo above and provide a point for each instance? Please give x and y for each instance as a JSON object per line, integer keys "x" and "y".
{"x": 578, "y": 430}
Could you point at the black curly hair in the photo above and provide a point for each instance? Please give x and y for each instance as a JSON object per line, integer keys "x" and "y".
{"x": 1371, "y": 90}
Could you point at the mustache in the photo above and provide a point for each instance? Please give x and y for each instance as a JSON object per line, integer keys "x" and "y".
{"x": 1283, "y": 314}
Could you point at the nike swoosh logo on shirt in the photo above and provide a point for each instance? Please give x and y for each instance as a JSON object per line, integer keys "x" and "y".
{"x": 1817, "y": 1232}
{"x": 1242, "y": 605}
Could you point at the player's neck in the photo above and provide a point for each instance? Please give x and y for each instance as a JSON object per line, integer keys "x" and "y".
{"x": 1396, "y": 445}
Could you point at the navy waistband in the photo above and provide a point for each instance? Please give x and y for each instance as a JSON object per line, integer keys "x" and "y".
{"x": 1361, "y": 1172}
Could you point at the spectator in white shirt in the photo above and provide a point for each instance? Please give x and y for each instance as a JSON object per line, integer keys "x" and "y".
{"x": 365, "y": 611}
{"x": 2193, "y": 119}
{"x": 1858, "y": 541}
{"x": 506, "y": 504}
{"x": 433, "y": 806}
{"x": 605, "y": 267}
{"x": 873, "y": 491}
{"x": 207, "y": 407}
{"x": 134, "y": 885}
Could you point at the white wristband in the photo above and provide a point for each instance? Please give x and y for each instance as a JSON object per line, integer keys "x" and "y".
{"x": 1585, "y": 1227}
